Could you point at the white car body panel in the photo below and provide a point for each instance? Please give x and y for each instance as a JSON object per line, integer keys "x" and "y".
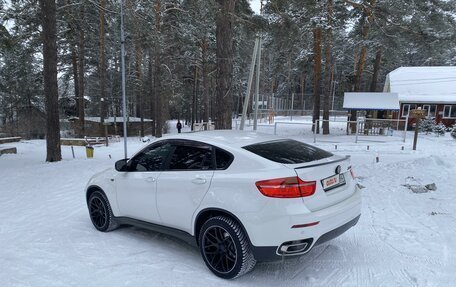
{"x": 180, "y": 194}
{"x": 137, "y": 195}
{"x": 176, "y": 198}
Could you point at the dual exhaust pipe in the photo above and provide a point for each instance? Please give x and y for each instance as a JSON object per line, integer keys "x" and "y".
{"x": 295, "y": 247}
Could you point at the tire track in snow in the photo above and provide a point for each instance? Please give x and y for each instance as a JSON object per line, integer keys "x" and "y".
{"x": 395, "y": 249}
{"x": 404, "y": 258}
{"x": 395, "y": 204}
{"x": 310, "y": 263}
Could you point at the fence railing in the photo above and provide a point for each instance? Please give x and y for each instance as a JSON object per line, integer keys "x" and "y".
{"x": 362, "y": 127}
{"x": 291, "y": 123}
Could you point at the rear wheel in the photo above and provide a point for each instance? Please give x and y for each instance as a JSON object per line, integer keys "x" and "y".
{"x": 225, "y": 248}
{"x": 101, "y": 213}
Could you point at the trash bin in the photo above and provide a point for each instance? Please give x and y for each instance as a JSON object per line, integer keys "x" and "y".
{"x": 89, "y": 151}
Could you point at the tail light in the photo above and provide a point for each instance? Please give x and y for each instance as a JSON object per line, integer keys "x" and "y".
{"x": 287, "y": 187}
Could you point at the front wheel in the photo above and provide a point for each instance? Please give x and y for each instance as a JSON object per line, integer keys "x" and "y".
{"x": 100, "y": 212}
{"x": 225, "y": 248}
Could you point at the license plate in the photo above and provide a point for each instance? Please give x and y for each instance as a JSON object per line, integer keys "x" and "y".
{"x": 333, "y": 182}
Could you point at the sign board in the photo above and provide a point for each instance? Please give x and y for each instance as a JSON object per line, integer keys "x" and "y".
{"x": 418, "y": 114}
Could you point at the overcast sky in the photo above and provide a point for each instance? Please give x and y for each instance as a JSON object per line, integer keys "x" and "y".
{"x": 255, "y": 4}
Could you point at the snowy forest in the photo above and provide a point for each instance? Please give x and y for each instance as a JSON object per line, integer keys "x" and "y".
{"x": 190, "y": 59}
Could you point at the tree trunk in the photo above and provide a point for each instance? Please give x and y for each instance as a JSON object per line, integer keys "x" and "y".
{"x": 74, "y": 64}
{"x": 360, "y": 68}
{"x": 317, "y": 75}
{"x": 157, "y": 73}
{"x": 290, "y": 87}
{"x": 49, "y": 38}
{"x": 378, "y": 60}
{"x": 138, "y": 85}
{"x": 303, "y": 91}
{"x": 81, "y": 47}
{"x": 368, "y": 18}
{"x": 204, "y": 52}
{"x": 195, "y": 97}
{"x": 328, "y": 75}
{"x": 224, "y": 54}
{"x": 151, "y": 92}
{"x": 102, "y": 68}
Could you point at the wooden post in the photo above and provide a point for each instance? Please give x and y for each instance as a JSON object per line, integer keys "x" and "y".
{"x": 417, "y": 114}
{"x": 106, "y": 124}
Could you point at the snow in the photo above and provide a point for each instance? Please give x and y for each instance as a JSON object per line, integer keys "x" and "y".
{"x": 256, "y": 6}
{"x": 402, "y": 238}
{"x": 371, "y": 101}
{"x": 115, "y": 119}
{"x": 423, "y": 84}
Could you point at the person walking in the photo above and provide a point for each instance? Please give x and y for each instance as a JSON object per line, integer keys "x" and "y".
{"x": 179, "y": 126}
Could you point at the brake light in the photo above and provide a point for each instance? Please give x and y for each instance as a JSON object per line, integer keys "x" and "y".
{"x": 287, "y": 187}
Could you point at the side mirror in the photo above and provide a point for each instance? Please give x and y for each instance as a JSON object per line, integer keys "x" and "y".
{"x": 121, "y": 165}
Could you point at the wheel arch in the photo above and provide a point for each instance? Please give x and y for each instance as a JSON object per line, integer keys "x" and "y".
{"x": 91, "y": 189}
{"x": 205, "y": 214}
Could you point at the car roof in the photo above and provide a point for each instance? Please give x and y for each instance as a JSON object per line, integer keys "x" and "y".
{"x": 231, "y": 138}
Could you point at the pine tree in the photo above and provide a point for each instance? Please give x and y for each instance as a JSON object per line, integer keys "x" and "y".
{"x": 49, "y": 37}
{"x": 224, "y": 35}
{"x": 439, "y": 129}
{"x": 427, "y": 125}
{"x": 453, "y": 132}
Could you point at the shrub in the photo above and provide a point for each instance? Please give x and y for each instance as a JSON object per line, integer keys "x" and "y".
{"x": 439, "y": 129}
{"x": 453, "y": 132}
{"x": 427, "y": 125}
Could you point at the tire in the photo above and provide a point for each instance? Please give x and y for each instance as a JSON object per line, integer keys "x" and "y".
{"x": 100, "y": 212}
{"x": 225, "y": 248}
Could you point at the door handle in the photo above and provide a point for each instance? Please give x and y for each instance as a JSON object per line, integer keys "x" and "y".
{"x": 199, "y": 180}
{"x": 150, "y": 179}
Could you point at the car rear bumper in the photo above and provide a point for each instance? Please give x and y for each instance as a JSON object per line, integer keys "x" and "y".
{"x": 269, "y": 253}
{"x": 268, "y": 238}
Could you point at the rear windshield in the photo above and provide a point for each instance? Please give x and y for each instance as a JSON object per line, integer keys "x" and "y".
{"x": 288, "y": 151}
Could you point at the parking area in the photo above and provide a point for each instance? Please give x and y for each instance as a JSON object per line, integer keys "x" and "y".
{"x": 402, "y": 239}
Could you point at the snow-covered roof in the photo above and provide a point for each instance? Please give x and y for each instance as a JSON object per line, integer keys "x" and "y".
{"x": 423, "y": 84}
{"x": 117, "y": 119}
{"x": 371, "y": 101}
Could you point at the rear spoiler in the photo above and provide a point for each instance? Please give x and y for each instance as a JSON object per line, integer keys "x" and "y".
{"x": 325, "y": 163}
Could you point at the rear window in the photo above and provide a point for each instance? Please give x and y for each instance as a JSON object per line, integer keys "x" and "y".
{"x": 288, "y": 151}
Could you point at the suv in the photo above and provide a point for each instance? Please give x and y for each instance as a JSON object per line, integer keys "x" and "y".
{"x": 240, "y": 197}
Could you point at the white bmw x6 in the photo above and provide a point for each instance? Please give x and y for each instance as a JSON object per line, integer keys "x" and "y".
{"x": 241, "y": 197}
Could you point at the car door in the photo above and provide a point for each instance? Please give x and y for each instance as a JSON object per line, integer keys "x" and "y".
{"x": 184, "y": 182}
{"x": 137, "y": 187}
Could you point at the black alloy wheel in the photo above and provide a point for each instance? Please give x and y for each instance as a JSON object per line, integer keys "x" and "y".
{"x": 100, "y": 212}
{"x": 219, "y": 249}
{"x": 225, "y": 247}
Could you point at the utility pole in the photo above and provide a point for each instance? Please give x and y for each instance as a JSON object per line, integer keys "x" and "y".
{"x": 257, "y": 86}
{"x": 256, "y": 57}
{"x": 124, "y": 96}
{"x": 249, "y": 84}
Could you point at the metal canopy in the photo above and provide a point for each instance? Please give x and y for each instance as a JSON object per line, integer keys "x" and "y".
{"x": 371, "y": 101}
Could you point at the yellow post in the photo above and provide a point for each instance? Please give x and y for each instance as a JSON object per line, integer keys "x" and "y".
{"x": 89, "y": 151}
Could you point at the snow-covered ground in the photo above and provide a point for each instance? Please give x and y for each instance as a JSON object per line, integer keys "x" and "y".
{"x": 402, "y": 238}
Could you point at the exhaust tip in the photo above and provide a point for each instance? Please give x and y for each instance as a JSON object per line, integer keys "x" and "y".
{"x": 294, "y": 247}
